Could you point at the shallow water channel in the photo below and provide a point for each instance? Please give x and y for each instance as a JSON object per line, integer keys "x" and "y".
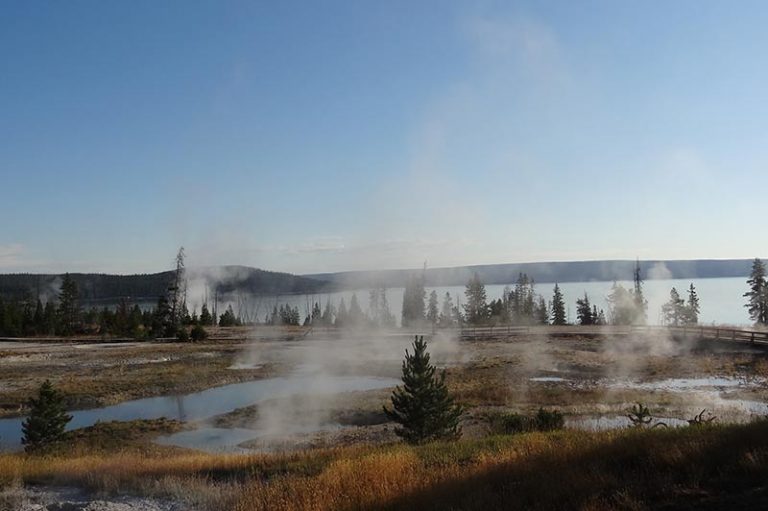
{"x": 204, "y": 404}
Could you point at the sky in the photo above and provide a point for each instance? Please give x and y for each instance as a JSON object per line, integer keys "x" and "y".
{"x": 344, "y": 135}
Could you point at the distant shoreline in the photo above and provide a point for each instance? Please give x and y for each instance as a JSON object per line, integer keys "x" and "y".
{"x": 231, "y": 280}
{"x": 544, "y": 272}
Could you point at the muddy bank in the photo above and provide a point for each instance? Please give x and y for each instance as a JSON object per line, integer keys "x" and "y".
{"x": 96, "y": 376}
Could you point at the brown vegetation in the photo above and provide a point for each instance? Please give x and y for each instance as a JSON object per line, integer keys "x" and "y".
{"x": 705, "y": 467}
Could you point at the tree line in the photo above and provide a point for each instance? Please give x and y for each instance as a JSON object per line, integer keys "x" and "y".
{"x": 522, "y": 305}
{"x": 65, "y": 316}
{"x": 519, "y": 305}
{"x": 378, "y": 314}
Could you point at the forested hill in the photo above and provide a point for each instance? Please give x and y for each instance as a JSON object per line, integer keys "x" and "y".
{"x": 571, "y": 271}
{"x": 97, "y": 287}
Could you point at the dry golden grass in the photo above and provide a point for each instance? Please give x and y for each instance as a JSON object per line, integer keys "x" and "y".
{"x": 704, "y": 467}
{"x": 566, "y": 470}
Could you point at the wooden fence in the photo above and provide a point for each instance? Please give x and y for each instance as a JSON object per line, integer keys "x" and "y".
{"x": 742, "y": 335}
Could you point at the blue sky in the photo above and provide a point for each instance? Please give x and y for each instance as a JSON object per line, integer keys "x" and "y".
{"x": 324, "y": 136}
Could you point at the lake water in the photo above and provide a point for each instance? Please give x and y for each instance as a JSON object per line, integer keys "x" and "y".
{"x": 721, "y": 300}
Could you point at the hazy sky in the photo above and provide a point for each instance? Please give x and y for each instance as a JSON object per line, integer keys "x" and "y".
{"x": 321, "y": 136}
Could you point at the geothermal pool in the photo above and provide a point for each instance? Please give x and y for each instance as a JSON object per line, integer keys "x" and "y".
{"x": 207, "y": 403}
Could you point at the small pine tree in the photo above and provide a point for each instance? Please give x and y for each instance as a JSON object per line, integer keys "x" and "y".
{"x": 476, "y": 308}
{"x": 558, "y": 307}
{"x": 229, "y": 318}
{"x": 622, "y": 306}
{"x": 198, "y": 333}
{"x": 206, "y": 318}
{"x": 692, "y": 307}
{"x": 422, "y": 406}
{"x": 541, "y": 311}
{"x": 432, "y": 313}
{"x": 69, "y": 307}
{"x": 674, "y": 311}
{"x": 355, "y": 316}
{"x": 446, "y": 314}
{"x": 758, "y": 293}
{"x": 641, "y": 304}
{"x": 47, "y": 419}
{"x": 584, "y": 311}
{"x": 414, "y": 297}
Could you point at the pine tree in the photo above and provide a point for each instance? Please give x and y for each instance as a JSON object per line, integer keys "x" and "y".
{"x": 432, "y": 312}
{"x": 476, "y": 309}
{"x": 622, "y": 306}
{"x": 160, "y": 317}
{"x": 541, "y": 312}
{"x": 355, "y": 315}
{"x": 692, "y": 307}
{"x": 641, "y": 304}
{"x": 316, "y": 314}
{"x": 38, "y": 319}
{"x": 422, "y": 406}
{"x": 446, "y": 312}
{"x": 177, "y": 296}
{"x": 386, "y": 318}
{"x": 558, "y": 307}
{"x": 229, "y": 318}
{"x": 757, "y": 294}
{"x": 329, "y": 313}
{"x": 413, "y": 302}
{"x": 69, "y": 307}
{"x": 521, "y": 303}
{"x": 47, "y": 419}
{"x": 674, "y": 311}
{"x": 341, "y": 315}
{"x": 601, "y": 318}
{"x": 378, "y": 307}
{"x": 596, "y": 315}
{"x": 584, "y": 311}
{"x": 49, "y": 318}
{"x": 205, "y": 316}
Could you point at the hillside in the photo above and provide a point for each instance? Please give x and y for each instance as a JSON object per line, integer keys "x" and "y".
{"x": 545, "y": 272}
{"x": 97, "y": 287}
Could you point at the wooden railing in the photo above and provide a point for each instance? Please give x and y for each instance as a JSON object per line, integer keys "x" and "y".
{"x": 714, "y": 333}
{"x": 721, "y": 333}
{"x": 492, "y": 332}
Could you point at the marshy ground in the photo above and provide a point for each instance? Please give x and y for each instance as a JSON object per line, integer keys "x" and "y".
{"x": 592, "y": 379}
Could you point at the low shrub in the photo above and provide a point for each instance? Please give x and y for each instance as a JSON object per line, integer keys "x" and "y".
{"x": 198, "y": 333}
{"x": 549, "y": 420}
{"x": 543, "y": 420}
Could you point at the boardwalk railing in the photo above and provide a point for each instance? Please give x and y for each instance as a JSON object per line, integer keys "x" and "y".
{"x": 493, "y": 332}
{"x": 714, "y": 333}
{"x": 721, "y": 333}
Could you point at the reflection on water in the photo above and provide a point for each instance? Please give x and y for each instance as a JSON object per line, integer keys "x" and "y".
{"x": 228, "y": 440}
{"x": 210, "y": 439}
